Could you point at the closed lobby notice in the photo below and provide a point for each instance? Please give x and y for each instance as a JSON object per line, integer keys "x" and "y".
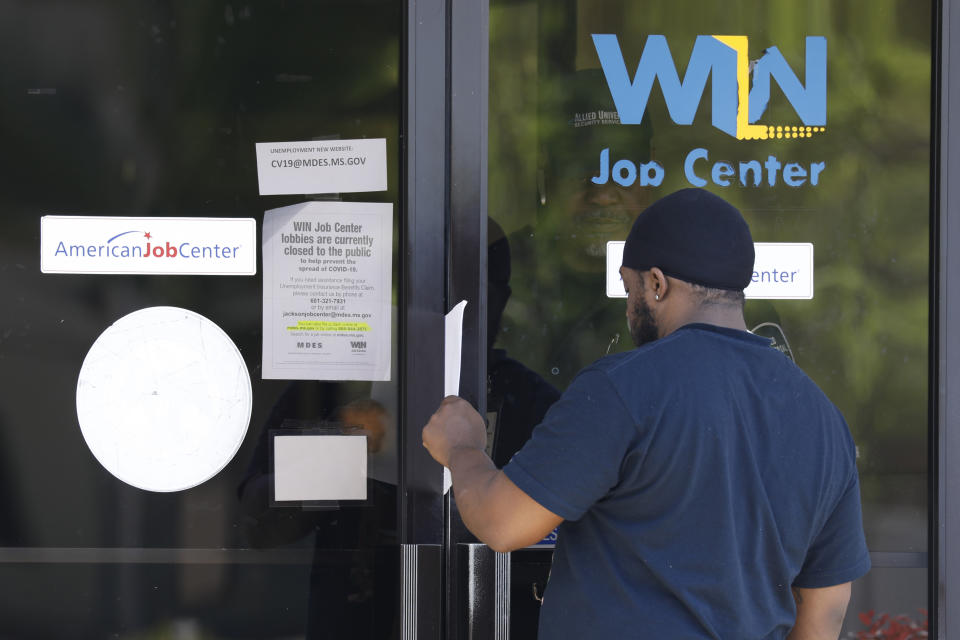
{"x": 326, "y": 291}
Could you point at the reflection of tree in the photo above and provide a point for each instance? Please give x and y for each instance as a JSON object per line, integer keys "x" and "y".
{"x": 864, "y": 337}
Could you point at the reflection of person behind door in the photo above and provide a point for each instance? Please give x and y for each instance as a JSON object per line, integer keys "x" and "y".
{"x": 561, "y": 319}
{"x": 517, "y": 397}
{"x": 355, "y": 566}
{"x": 517, "y": 400}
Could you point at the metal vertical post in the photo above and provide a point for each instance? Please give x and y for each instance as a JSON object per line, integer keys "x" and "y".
{"x": 947, "y": 433}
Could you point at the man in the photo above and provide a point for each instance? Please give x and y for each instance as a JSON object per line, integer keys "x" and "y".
{"x": 706, "y": 487}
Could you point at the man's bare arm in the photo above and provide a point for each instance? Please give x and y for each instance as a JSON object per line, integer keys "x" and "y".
{"x": 820, "y": 612}
{"x": 498, "y": 512}
{"x": 495, "y": 510}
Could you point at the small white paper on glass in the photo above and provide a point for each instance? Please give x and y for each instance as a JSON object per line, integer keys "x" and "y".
{"x": 322, "y": 166}
{"x": 319, "y": 467}
{"x": 781, "y": 271}
{"x": 326, "y": 291}
{"x": 452, "y": 347}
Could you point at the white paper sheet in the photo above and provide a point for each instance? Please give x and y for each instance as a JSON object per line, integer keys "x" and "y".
{"x": 320, "y": 467}
{"x": 326, "y": 291}
{"x": 322, "y": 166}
{"x": 452, "y": 346}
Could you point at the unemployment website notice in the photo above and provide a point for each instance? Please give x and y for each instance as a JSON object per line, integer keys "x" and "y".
{"x": 326, "y": 291}
{"x": 322, "y": 166}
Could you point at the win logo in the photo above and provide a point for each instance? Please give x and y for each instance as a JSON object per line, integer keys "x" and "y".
{"x": 358, "y": 345}
{"x": 736, "y": 106}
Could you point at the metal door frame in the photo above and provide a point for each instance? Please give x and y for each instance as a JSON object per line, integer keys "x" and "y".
{"x": 945, "y": 268}
{"x": 445, "y": 195}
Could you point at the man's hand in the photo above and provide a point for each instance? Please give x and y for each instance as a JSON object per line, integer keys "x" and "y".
{"x": 455, "y": 425}
{"x": 493, "y": 508}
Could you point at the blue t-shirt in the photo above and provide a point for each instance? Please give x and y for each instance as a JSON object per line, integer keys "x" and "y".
{"x": 700, "y": 477}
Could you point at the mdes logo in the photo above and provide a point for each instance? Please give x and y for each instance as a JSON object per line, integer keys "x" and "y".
{"x": 737, "y": 107}
{"x": 121, "y": 245}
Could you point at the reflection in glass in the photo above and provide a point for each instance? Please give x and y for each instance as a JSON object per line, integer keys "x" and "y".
{"x": 153, "y": 109}
{"x": 863, "y": 338}
{"x": 354, "y": 541}
{"x": 517, "y": 400}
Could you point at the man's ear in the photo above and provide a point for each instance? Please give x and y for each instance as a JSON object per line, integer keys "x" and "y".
{"x": 657, "y": 283}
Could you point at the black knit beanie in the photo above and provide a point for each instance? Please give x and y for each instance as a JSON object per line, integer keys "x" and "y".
{"x": 695, "y": 236}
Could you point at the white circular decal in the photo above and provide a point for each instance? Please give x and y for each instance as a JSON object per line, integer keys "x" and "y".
{"x": 164, "y": 399}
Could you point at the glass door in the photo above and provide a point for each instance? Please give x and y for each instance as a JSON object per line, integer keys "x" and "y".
{"x": 599, "y": 107}
{"x": 275, "y": 329}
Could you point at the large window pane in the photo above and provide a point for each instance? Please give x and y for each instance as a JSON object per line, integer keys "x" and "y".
{"x": 149, "y": 108}
{"x": 863, "y": 201}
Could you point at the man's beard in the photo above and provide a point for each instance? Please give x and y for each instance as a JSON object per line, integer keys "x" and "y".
{"x": 643, "y": 328}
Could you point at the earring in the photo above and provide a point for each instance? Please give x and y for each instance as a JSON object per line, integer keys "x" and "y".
{"x": 656, "y": 296}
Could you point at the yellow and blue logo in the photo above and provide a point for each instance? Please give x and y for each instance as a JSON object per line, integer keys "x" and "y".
{"x": 737, "y": 108}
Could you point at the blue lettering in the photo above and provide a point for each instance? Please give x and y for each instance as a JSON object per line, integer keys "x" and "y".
{"x": 60, "y": 249}
{"x": 815, "y": 169}
{"x": 809, "y": 102}
{"x": 624, "y": 173}
{"x": 750, "y": 173}
{"x": 696, "y": 154}
{"x": 648, "y": 180}
{"x": 774, "y": 275}
{"x": 772, "y": 165}
{"x": 794, "y": 175}
{"x": 188, "y": 250}
{"x": 721, "y": 171}
{"x": 604, "y": 168}
{"x": 709, "y": 55}
{"x": 754, "y": 166}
